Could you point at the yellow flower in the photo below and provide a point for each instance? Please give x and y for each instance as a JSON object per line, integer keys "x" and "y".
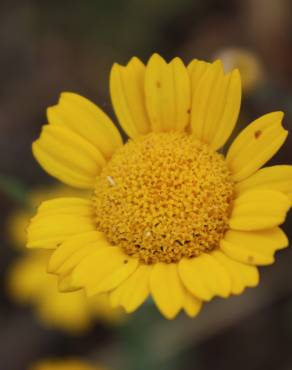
{"x": 168, "y": 216}
{"x": 70, "y": 364}
{"x": 29, "y": 282}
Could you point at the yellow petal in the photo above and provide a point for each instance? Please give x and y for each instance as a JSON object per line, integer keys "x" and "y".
{"x": 66, "y": 206}
{"x": 76, "y": 257}
{"x": 53, "y": 224}
{"x": 215, "y": 105}
{"x": 113, "y": 280}
{"x": 255, "y": 145}
{"x": 132, "y": 292}
{"x": 128, "y": 97}
{"x": 259, "y": 209}
{"x": 241, "y": 275}
{"x": 50, "y": 231}
{"x": 253, "y": 247}
{"x": 204, "y": 277}
{"x": 88, "y": 121}
{"x": 191, "y": 305}
{"x": 104, "y": 270}
{"x": 166, "y": 289}
{"x": 66, "y": 285}
{"x": 69, "y": 247}
{"x": 168, "y": 94}
{"x": 277, "y": 178}
{"x": 196, "y": 70}
{"x": 67, "y": 156}
{"x": 69, "y": 175}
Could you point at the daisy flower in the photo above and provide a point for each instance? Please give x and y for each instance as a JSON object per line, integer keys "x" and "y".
{"x": 168, "y": 215}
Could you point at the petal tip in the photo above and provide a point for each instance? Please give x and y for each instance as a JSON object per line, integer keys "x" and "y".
{"x": 134, "y": 60}
{"x": 156, "y": 58}
{"x": 116, "y": 67}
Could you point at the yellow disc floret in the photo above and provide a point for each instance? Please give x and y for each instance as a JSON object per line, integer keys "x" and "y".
{"x": 163, "y": 197}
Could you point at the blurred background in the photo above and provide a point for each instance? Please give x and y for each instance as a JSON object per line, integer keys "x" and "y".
{"x": 52, "y": 46}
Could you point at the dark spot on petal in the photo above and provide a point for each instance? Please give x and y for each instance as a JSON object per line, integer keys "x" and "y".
{"x": 158, "y": 84}
{"x": 257, "y": 134}
{"x": 126, "y": 261}
{"x": 189, "y": 111}
{"x": 250, "y": 259}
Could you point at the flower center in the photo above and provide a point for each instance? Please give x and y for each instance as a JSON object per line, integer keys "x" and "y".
{"x": 163, "y": 197}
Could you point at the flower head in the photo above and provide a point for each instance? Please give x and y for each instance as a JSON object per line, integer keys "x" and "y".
{"x": 168, "y": 215}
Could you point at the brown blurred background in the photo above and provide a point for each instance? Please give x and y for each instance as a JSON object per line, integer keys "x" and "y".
{"x": 52, "y": 46}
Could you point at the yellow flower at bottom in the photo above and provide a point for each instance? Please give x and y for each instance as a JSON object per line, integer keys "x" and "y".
{"x": 29, "y": 282}
{"x": 168, "y": 215}
{"x": 69, "y": 364}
